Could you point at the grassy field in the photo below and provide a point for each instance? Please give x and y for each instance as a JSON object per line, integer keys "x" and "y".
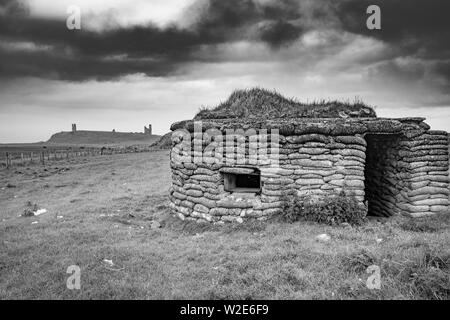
{"x": 104, "y": 208}
{"x": 79, "y": 141}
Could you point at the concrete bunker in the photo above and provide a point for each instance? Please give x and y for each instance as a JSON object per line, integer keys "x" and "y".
{"x": 394, "y": 165}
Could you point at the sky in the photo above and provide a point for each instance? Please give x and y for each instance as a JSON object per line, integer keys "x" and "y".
{"x": 137, "y": 62}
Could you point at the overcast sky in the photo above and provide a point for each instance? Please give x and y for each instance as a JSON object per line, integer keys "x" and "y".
{"x": 158, "y": 61}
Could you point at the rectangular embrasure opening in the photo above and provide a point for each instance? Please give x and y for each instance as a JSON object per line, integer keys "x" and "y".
{"x": 235, "y": 182}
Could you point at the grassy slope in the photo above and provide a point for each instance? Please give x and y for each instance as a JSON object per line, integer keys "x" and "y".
{"x": 101, "y": 137}
{"x": 275, "y": 260}
{"x": 64, "y": 140}
{"x": 165, "y": 142}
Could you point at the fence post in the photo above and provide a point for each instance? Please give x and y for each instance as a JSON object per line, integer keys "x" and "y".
{"x": 7, "y": 160}
{"x": 43, "y": 157}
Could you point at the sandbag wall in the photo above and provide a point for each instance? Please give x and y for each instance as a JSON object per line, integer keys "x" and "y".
{"x": 386, "y": 174}
{"x": 322, "y": 165}
{"x": 304, "y": 164}
{"x": 197, "y": 191}
{"x": 427, "y": 158}
{"x": 403, "y": 169}
{"x": 407, "y": 175}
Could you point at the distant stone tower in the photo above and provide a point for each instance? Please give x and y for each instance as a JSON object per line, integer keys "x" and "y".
{"x": 148, "y": 130}
{"x": 74, "y": 127}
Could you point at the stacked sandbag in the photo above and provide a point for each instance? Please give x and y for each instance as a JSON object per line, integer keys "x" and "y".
{"x": 428, "y": 185}
{"x": 386, "y": 174}
{"x": 395, "y": 165}
{"x": 316, "y": 164}
{"x": 197, "y": 191}
{"x": 304, "y": 164}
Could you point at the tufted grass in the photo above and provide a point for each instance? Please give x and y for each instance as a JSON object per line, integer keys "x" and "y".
{"x": 267, "y": 104}
{"x": 440, "y": 221}
{"x": 108, "y": 204}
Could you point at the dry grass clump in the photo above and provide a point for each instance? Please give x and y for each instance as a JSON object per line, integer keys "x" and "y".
{"x": 359, "y": 261}
{"x": 262, "y": 103}
{"x": 331, "y": 210}
{"x": 420, "y": 275}
{"x": 434, "y": 223}
{"x": 30, "y": 209}
{"x": 427, "y": 276}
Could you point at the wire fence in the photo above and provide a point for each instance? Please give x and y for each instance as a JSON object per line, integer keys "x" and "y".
{"x": 9, "y": 159}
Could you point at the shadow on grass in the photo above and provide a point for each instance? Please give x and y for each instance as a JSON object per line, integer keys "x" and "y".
{"x": 192, "y": 227}
{"x": 434, "y": 223}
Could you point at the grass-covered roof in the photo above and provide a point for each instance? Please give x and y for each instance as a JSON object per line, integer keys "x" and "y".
{"x": 261, "y": 103}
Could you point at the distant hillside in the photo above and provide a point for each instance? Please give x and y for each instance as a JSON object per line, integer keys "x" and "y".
{"x": 165, "y": 142}
{"x": 101, "y": 137}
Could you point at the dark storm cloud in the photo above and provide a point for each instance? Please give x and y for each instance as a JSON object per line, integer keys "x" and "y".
{"x": 85, "y": 54}
{"x": 225, "y": 19}
{"x": 59, "y": 66}
{"x": 12, "y": 6}
{"x": 413, "y": 22}
{"x": 279, "y": 33}
{"x": 415, "y": 28}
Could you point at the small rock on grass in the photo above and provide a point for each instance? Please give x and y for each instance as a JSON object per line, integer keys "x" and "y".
{"x": 155, "y": 225}
{"x": 40, "y": 211}
{"x": 323, "y": 237}
{"x": 108, "y": 262}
